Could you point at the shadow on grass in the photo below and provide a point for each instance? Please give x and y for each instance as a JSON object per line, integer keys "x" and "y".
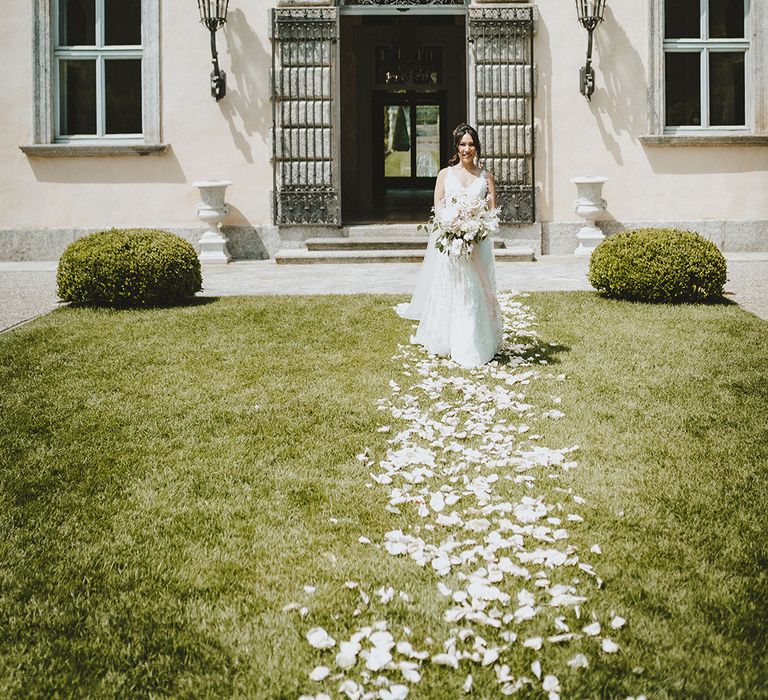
{"x": 196, "y": 301}
{"x": 717, "y": 301}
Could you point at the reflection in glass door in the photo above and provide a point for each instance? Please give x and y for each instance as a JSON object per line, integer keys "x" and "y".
{"x": 410, "y": 125}
{"x": 397, "y": 141}
{"x": 427, "y": 140}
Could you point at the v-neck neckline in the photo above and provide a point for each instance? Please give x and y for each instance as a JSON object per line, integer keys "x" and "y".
{"x": 466, "y": 187}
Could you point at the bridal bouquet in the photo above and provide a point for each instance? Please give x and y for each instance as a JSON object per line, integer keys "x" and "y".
{"x": 461, "y": 222}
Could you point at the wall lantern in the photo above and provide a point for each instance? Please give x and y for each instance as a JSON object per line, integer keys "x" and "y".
{"x": 590, "y": 15}
{"x": 213, "y": 14}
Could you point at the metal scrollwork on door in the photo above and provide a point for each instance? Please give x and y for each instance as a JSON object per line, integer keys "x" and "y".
{"x": 304, "y": 149}
{"x": 502, "y": 45}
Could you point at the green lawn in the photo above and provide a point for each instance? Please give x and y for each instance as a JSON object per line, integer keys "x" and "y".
{"x": 168, "y": 480}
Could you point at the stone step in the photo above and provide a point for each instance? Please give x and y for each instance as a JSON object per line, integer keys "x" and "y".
{"x": 300, "y": 256}
{"x": 381, "y": 230}
{"x": 382, "y": 243}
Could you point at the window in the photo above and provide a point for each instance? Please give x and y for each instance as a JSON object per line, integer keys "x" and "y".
{"x": 705, "y": 64}
{"x": 96, "y": 77}
{"x": 97, "y": 69}
{"x": 706, "y": 47}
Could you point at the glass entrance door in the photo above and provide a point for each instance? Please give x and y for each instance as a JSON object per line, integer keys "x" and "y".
{"x": 410, "y": 128}
{"x": 411, "y": 141}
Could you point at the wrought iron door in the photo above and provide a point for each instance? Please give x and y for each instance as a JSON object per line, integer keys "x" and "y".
{"x": 304, "y": 146}
{"x": 502, "y": 46}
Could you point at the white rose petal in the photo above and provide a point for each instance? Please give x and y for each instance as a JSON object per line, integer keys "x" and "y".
{"x": 467, "y": 687}
{"x": 551, "y": 685}
{"x": 351, "y": 689}
{"x": 410, "y": 672}
{"x": 394, "y": 692}
{"x": 592, "y": 630}
{"x": 437, "y": 502}
{"x": 609, "y": 646}
{"x": 490, "y": 656}
{"x": 618, "y": 622}
{"x": 319, "y": 673}
{"x": 320, "y": 639}
{"x": 446, "y": 660}
{"x": 377, "y": 658}
{"x": 578, "y": 661}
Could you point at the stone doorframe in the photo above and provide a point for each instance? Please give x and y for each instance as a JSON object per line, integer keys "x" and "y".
{"x": 306, "y": 97}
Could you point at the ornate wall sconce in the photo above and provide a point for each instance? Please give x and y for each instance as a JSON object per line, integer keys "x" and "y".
{"x": 213, "y": 14}
{"x": 590, "y": 14}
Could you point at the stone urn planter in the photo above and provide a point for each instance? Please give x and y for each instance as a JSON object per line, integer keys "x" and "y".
{"x": 212, "y": 210}
{"x": 590, "y": 206}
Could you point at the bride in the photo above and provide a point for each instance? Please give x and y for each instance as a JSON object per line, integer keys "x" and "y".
{"x": 455, "y": 297}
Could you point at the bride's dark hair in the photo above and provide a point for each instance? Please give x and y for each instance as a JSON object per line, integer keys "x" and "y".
{"x": 458, "y": 134}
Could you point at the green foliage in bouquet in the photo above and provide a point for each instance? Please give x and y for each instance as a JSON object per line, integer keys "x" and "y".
{"x": 400, "y": 139}
{"x": 129, "y": 268}
{"x": 658, "y": 265}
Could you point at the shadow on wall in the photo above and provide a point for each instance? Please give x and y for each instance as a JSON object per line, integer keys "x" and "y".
{"x": 247, "y": 99}
{"x": 687, "y": 160}
{"x": 112, "y": 169}
{"x": 620, "y": 106}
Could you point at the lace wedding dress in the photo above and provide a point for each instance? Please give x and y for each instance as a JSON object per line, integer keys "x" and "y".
{"x": 455, "y": 298}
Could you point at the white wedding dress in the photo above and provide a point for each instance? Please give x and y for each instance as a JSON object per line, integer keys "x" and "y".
{"x": 455, "y": 298}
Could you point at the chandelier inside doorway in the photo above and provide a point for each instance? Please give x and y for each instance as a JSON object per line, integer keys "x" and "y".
{"x": 409, "y": 64}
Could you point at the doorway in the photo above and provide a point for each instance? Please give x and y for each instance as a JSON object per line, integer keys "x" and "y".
{"x": 403, "y": 89}
{"x": 409, "y": 128}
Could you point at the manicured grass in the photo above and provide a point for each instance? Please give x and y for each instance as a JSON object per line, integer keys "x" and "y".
{"x": 167, "y": 480}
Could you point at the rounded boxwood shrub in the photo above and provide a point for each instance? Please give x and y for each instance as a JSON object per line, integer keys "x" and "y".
{"x": 658, "y": 265}
{"x": 129, "y": 267}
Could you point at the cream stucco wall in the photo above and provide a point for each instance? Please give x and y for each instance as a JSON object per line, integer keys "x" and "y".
{"x": 577, "y": 137}
{"x": 230, "y": 139}
{"x": 208, "y": 140}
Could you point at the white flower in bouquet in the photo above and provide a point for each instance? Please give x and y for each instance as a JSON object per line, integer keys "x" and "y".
{"x": 461, "y": 221}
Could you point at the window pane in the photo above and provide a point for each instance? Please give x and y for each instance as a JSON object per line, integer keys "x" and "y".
{"x": 682, "y": 19}
{"x": 77, "y": 105}
{"x": 122, "y": 22}
{"x": 77, "y": 22}
{"x": 427, "y": 140}
{"x": 682, "y": 77}
{"x": 726, "y": 19}
{"x": 397, "y": 141}
{"x": 726, "y": 89}
{"x": 123, "y": 96}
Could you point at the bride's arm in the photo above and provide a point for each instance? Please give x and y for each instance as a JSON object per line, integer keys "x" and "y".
{"x": 440, "y": 186}
{"x": 491, "y": 189}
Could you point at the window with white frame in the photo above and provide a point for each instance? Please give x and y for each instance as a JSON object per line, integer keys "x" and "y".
{"x": 97, "y": 71}
{"x": 706, "y": 51}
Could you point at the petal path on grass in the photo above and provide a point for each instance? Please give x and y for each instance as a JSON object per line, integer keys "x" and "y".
{"x": 493, "y": 524}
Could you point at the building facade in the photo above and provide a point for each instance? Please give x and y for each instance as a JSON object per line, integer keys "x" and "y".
{"x": 338, "y": 113}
